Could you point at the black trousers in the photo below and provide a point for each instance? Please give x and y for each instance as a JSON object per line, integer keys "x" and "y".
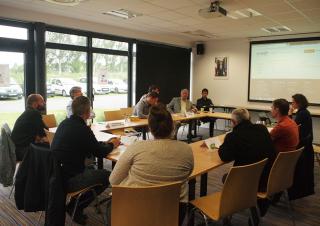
{"x": 86, "y": 179}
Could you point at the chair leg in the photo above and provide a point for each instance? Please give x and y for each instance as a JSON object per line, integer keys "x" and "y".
{"x": 98, "y": 207}
{"x": 11, "y": 190}
{"x": 290, "y": 207}
{"x": 205, "y": 218}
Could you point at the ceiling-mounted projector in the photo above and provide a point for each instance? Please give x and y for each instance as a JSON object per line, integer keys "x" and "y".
{"x": 214, "y": 10}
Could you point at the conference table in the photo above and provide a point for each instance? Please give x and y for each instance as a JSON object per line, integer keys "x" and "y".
{"x": 204, "y": 159}
{"x": 143, "y": 123}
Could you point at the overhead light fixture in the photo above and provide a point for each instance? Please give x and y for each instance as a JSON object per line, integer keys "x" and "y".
{"x": 200, "y": 33}
{"x": 65, "y": 2}
{"x": 123, "y": 14}
{"x": 243, "y": 13}
{"x": 276, "y": 29}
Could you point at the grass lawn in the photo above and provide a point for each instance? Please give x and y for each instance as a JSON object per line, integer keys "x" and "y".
{"x": 9, "y": 117}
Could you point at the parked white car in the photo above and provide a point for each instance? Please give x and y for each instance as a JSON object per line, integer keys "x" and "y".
{"x": 98, "y": 88}
{"x": 118, "y": 86}
{"x": 13, "y": 90}
{"x": 62, "y": 86}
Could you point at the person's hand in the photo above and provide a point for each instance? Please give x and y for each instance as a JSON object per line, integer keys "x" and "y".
{"x": 194, "y": 110}
{"x": 115, "y": 141}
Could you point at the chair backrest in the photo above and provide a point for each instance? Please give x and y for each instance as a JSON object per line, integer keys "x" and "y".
{"x": 49, "y": 120}
{"x": 113, "y": 115}
{"x": 49, "y": 135}
{"x": 282, "y": 171}
{"x": 240, "y": 188}
{"x": 126, "y": 111}
{"x": 139, "y": 206}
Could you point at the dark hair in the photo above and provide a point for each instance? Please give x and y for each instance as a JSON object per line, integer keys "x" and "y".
{"x": 160, "y": 121}
{"x": 205, "y": 90}
{"x": 152, "y": 88}
{"x": 153, "y": 95}
{"x": 282, "y": 105}
{"x": 301, "y": 100}
{"x": 73, "y": 90}
{"x": 32, "y": 98}
{"x": 80, "y": 105}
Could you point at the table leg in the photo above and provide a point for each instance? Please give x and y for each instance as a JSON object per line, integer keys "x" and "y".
{"x": 144, "y": 133}
{"x": 211, "y": 128}
{"x": 204, "y": 184}
{"x": 189, "y": 131}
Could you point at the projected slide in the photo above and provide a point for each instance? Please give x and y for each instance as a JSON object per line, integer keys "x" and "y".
{"x": 279, "y": 70}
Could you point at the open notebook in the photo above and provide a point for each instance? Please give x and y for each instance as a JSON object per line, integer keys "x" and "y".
{"x": 213, "y": 142}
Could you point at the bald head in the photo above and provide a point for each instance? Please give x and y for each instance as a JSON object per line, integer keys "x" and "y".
{"x": 184, "y": 94}
{"x": 36, "y": 102}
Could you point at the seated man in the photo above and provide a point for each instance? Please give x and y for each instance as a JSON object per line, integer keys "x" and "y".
{"x": 205, "y": 103}
{"x": 29, "y": 127}
{"x": 181, "y": 105}
{"x": 285, "y": 134}
{"x": 75, "y": 92}
{"x": 248, "y": 143}
{"x": 152, "y": 88}
{"x": 73, "y": 142}
{"x": 142, "y": 108}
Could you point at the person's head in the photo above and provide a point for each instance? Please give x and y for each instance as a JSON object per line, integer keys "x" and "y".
{"x": 184, "y": 94}
{"x": 279, "y": 108}
{"x": 160, "y": 122}
{"x": 152, "y": 98}
{"x": 75, "y": 92}
{"x": 299, "y": 101}
{"x": 204, "y": 93}
{"x": 154, "y": 88}
{"x": 81, "y": 107}
{"x": 239, "y": 115}
{"x": 36, "y": 102}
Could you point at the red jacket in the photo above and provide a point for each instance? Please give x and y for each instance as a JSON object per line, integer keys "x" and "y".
{"x": 285, "y": 135}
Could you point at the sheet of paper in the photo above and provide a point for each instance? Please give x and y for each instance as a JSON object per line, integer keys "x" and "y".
{"x": 213, "y": 142}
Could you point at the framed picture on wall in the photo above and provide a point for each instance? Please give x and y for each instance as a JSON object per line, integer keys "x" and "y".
{"x": 221, "y": 68}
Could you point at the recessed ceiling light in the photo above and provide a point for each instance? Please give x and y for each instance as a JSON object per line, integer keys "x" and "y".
{"x": 65, "y": 2}
{"x": 243, "y": 13}
{"x": 123, "y": 14}
{"x": 276, "y": 29}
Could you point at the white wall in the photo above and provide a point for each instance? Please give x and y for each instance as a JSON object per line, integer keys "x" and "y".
{"x": 234, "y": 90}
{"x": 64, "y": 21}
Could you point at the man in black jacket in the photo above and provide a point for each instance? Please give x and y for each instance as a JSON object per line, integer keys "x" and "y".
{"x": 246, "y": 144}
{"x": 29, "y": 127}
{"x": 205, "y": 103}
{"x": 73, "y": 142}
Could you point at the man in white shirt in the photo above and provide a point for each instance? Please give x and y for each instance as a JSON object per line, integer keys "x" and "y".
{"x": 76, "y": 92}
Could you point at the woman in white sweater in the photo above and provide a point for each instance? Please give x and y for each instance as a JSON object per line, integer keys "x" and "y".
{"x": 157, "y": 161}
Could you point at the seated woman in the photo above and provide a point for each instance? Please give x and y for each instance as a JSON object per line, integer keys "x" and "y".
{"x": 157, "y": 161}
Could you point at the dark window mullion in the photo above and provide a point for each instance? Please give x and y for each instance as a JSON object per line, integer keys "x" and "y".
{"x": 50, "y": 45}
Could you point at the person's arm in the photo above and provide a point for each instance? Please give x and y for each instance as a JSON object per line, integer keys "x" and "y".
{"x": 139, "y": 110}
{"x": 170, "y": 106}
{"x": 211, "y": 104}
{"x": 121, "y": 170}
{"x": 276, "y": 133}
{"x": 199, "y": 105}
{"x": 100, "y": 150}
{"x": 227, "y": 149}
{"x": 69, "y": 110}
{"x": 39, "y": 126}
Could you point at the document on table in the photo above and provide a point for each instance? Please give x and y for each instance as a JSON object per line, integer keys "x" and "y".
{"x": 213, "y": 142}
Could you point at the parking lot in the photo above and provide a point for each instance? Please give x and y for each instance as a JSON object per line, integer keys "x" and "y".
{"x": 109, "y": 101}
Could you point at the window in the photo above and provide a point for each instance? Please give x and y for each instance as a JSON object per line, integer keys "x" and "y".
{"x": 61, "y": 38}
{"x": 109, "y": 44}
{"x": 11, "y": 86}
{"x": 13, "y": 32}
{"x": 65, "y": 69}
{"x": 110, "y": 83}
